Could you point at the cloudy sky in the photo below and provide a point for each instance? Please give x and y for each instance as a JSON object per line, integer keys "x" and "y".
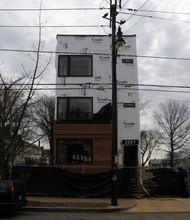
{"x": 162, "y": 28}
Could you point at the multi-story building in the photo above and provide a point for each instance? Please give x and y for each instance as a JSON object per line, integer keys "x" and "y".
{"x": 83, "y": 131}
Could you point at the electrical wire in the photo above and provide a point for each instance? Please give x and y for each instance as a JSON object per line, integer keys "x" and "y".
{"x": 155, "y": 17}
{"x": 155, "y": 97}
{"x": 168, "y": 86}
{"x": 95, "y": 26}
{"x": 91, "y": 9}
{"x": 128, "y": 55}
{"x": 159, "y": 57}
{"x": 162, "y": 12}
{"x": 52, "y": 9}
{"x": 137, "y": 10}
{"x": 86, "y": 88}
{"x": 126, "y": 90}
{"x": 53, "y": 26}
{"x": 148, "y": 11}
{"x": 98, "y": 84}
{"x": 125, "y": 3}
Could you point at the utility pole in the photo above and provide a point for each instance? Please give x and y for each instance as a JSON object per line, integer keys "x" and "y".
{"x": 114, "y": 105}
{"x": 116, "y": 45}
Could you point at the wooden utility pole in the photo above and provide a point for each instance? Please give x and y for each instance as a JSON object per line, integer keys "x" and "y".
{"x": 114, "y": 106}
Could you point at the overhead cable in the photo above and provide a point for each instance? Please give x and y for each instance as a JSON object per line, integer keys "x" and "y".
{"x": 162, "y": 12}
{"x": 106, "y": 54}
{"x": 53, "y": 26}
{"x": 155, "y": 17}
{"x": 147, "y": 12}
{"x": 137, "y": 9}
{"x": 102, "y": 84}
{"x": 52, "y": 9}
{"x": 97, "y": 88}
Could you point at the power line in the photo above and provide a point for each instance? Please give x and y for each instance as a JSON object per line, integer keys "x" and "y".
{"x": 159, "y": 90}
{"x": 92, "y": 9}
{"x": 155, "y": 97}
{"x": 54, "y": 84}
{"x": 128, "y": 55}
{"x": 102, "y": 84}
{"x": 95, "y": 26}
{"x": 168, "y": 86}
{"x": 102, "y": 89}
{"x": 52, "y": 9}
{"x": 162, "y": 12}
{"x": 160, "y": 57}
{"x": 137, "y": 10}
{"x": 53, "y": 26}
{"x": 155, "y": 17}
{"x": 125, "y": 3}
{"x": 148, "y": 11}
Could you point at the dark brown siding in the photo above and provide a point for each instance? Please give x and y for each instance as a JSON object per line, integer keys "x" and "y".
{"x": 101, "y": 135}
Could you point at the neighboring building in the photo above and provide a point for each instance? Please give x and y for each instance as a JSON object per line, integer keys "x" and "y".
{"x": 163, "y": 163}
{"x": 83, "y": 131}
{"x": 31, "y": 155}
{"x": 182, "y": 161}
{"x": 185, "y": 163}
{"x": 157, "y": 163}
{"x": 45, "y": 156}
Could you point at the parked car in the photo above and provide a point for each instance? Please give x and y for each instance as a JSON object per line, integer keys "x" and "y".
{"x": 12, "y": 195}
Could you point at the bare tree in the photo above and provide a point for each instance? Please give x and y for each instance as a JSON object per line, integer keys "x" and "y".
{"x": 15, "y": 121}
{"x": 16, "y": 96}
{"x": 143, "y": 104}
{"x": 173, "y": 119}
{"x": 44, "y": 114}
{"x": 149, "y": 141}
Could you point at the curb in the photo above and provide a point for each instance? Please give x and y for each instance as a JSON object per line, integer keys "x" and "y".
{"x": 64, "y": 209}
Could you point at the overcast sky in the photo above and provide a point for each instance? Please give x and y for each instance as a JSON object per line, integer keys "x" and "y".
{"x": 162, "y": 31}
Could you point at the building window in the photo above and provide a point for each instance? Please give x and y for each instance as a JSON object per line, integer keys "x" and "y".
{"x": 71, "y": 108}
{"x": 74, "y": 151}
{"x": 74, "y": 66}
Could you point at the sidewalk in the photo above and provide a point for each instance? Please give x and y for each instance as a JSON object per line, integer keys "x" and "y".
{"x": 76, "y": 204}
{"x": 161, "y": 205}
{"x": 104, "y": 204}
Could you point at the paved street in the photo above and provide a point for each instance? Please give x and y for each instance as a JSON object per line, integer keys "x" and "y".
{"x": 94, "y": 216}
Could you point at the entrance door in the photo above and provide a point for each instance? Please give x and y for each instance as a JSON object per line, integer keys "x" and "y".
{"x": 131, "y": 159}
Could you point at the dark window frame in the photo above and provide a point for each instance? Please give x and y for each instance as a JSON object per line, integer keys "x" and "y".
{"x": 68, "y": 100}
{"x": 68, "y": 160}
{"x": 69, "y": 57}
